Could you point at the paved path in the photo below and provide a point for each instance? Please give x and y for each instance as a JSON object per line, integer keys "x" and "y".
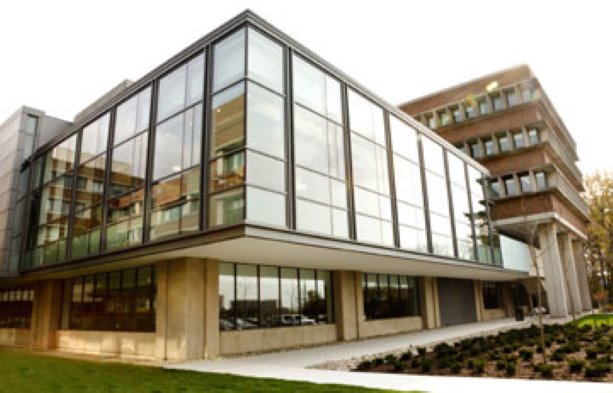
{"x": 297, "y": 365}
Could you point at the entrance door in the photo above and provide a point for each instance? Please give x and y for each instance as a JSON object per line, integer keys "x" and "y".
{"x": 456, "y": 301}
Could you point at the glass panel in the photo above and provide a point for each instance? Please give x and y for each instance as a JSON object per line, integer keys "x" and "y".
{"x": 289, "y": 296}
{"x": 171, "y": 97}
{"x": 94, "y": 138}
{"x": 366, "y": 118}
{"x": 132, "y": 116}
{"x": 90, "y": 182}
{"x": 228, "y": 171}
{"x": 128, "y": 165}
{"x": 270, "y": 302}
{"x": 503, "y": 144}
{"x": 413, "y": 239}
{"x": 312, "y": 186}
{"x": 265, "y": 207}
{"x": 227, "y": 320}
{"x": 86, "y": 232}
{"x": 265, "y": 121}
{"x": 433, "y": 156}
{"x": 195, "y": 80}
{"x": 265, "y": 61}
{"x": 175, "y": 205}
{"x": 408, "y": 181}
{"x": 313, "y": 217}
{"x": 404, "y": 139}
{"x": 227, "y": 207}
{"x": 518, "y": 140}
{"x": 266, "y": 172}
{"x": 228, "y": 125}
{"x": 316, "y": 90}
{"x": 437, "y": 194}
{"x": 526, "y": 183}
{"x": 541, "y": 180}
{"x": 311, "y": 140}
{"x": 124, "y": 215}
{"x": 308, "y": 297}
{"x": 229, "y": 58}
{"x": 364, "y": 163}
{"x": 246, "y": 297}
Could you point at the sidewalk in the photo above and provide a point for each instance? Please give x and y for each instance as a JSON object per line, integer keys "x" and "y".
{"x": 298, "y": 364}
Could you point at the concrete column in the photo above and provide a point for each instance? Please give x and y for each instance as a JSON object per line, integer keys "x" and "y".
{"x": 568, "y": 260}
{"x": 584, "y": 288}
{"x": 211, "y": 309}
{"x": 180, "y": 309}
{"x": 429, "y": 303}
{"x": 507, "y": 299}
{"x": 478, "y": 289}
{"x": 46, "y": 314}
{"x": 557, "y": 295}
{"x": 345, "y": 305}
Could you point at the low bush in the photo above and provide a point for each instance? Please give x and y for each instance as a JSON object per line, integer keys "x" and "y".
{"x": 509, "y": 369}
{"x": 546, "y": 370}
{"x": 426, "y": 365}
{"x": 456, "y": 368}
{"x": 507, "y": 349}
{"x": 406, "y": 356}
{"x": 557, "y": 356}
{"x": 575, "y": 365}
{"x": 444, "y": 362}
{"x": 389, "y": 359}
{"x": 398, "y": 365}
{"x": 364, "y": 365}
{"x": 591, "y": 354}
{"x": 479, "y": 365}
{"x": 526, "y": 355}
{"x": 421, "y": 351}
{"x": 500, "y": 365}
{"x": 597, "y": 370}
{"x": 378, "y": 362}
{"x": 415, "y": 363}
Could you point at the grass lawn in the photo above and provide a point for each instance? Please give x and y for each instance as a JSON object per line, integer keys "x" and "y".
{"x": 601, "y": 319}
{"x": 31, "y": 372}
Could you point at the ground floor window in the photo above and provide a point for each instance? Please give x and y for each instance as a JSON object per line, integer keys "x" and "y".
{"x": 254, "y": 296}
{"x": 390, "y": 296}
{"x": 16, "y": 307}
{"x": 122, "y": 300}
{"x": 492, "y": 294}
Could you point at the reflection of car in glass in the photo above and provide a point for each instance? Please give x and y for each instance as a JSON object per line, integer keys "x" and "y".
{"x": 244, "y": 324}
{"x": 225, "y": 325}
{"x": 296, "y": 319}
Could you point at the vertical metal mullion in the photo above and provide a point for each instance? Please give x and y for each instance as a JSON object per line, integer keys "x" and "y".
{"x": 73, "y": 196}
{"x": 245, "y": 117}
{"x": 299, "y": 296}
{"x": 279, "y": 313}
{"x": 490, "y": 227}
{"x": 206, "y": 136}
{"x": 258, "y": 273}
{"x": 289, "y": 140}
{"x": 454, "y": 238}
{"x": 107, "y": 176}
{"x": 424, "y": 189}
{"x": 351, "y": 212}
{"x": 392, "y": 178}
{"x": 149, "y": 166}
{"x": 473, "y": 228}
{"x": 234, "y": 269}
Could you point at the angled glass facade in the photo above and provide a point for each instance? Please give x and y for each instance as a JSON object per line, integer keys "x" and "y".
{"x": 247, "y": 129}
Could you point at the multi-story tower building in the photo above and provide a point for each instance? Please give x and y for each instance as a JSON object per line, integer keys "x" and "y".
{"x": 246, "y": 195}
{"x": 506, "y": 122}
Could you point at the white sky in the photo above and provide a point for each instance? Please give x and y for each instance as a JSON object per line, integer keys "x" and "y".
{"x": 59, "y": 56}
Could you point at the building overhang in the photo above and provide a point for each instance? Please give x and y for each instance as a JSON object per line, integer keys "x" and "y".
{"x": 261, "y": 245}
{"x": 518, "y": 224}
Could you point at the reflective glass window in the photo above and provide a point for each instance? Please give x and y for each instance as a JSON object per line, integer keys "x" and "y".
{"x": 316, "y": 90}
{"x": 229, "y": 58}
{"x": 132, "y": 116}
{"x": 265, "y": 121}
{"x": 94, "y": 138}
{"x": 265, "y": 61}
{"x": 181, "y": 88}
{"x": 228, "y": 120}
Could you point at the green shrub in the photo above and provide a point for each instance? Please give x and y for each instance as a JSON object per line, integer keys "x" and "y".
{"x": 441, "y": 349}
{"x": 398, "y": 365}
{"x": 597, "y": 370}
{"x": 426, "y": 365}
{"x": 511, "y": 358}
{"x": 406, "y": 356}
{"x": 500, "y": 364}
{"x": 539, "y": 349}
{"x": 591, "y": 354}
{"x": 421, "y": 351}
{"x": 479, "y": 365}
{"x": 444, "y": 362}
{"x": 575, "y": 365}
{"x": 526, "y": 355}
{"x": 364, "y": 365}
{"x": 415, "y": 363}
{"x": 548, "y": 343}
{"x": 507, "y": 349}
{"x": 470, "y": 364}
{"x": 378, "y": 362}
{"x": 557, "y": 356}
{"x": 509, "y": 369}
{"x": 546, "y": 370}
{"x": 389, "y": 359}
{"x": 456, "y": 368}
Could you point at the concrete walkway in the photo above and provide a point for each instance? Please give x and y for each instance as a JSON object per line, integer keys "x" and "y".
{"x": 298, "y": 364}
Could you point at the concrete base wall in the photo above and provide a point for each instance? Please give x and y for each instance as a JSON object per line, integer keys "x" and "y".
{"x": 14, "y": 336}
{"x": 494, "y": 313}
{"x": 116, "y": 344}
{"x": 384, "y": 327}
{"x": 259, "y": 340}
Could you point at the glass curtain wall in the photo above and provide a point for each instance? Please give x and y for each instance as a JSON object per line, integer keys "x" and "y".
{"x": 255, "y": 296}
{"x": 125, "y": 197}
{"x": 373, "y": 210}
{"x": 175, "y": 172}
{"x": 438, "y": 198}
{"x": 16, "y": 307}
{"x": 50, "y": 198}
{"x": 461, "y": 207}
{"x": 248, "y": 125}
{"x": 409, "y": 192}
{"x": 319, "y": 155}
{"x": 90, "y": 188}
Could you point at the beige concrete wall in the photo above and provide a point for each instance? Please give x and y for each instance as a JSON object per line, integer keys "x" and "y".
{"x": 494, "y": 313}
{"x": 134, "y": 345}
{"x": 46, "y": 310}
{"x": 429, "y": 303}
{"x": 383, "y": 327}
{"x": 14, "y": 336}
{"x": 259, "y": 340}
{"x": 346, "y": 304}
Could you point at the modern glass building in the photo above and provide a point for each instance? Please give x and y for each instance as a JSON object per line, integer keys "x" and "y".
{"x": 247, "y": 196}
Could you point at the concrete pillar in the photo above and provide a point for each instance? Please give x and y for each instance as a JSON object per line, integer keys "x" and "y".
{"x": 584, "y": 288}
{"x": 180, "y": 309}
{"x": 211, "y": 309}
{"x": 46, "y": 314}
{"x": 507, "y": 299}
{"x": 429, "y": 303}
{"x": 478, "y": 289}
{"x": 570, "y": 268}
{"x": 345, "y": 304}
{"x": 555, "y": 284}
